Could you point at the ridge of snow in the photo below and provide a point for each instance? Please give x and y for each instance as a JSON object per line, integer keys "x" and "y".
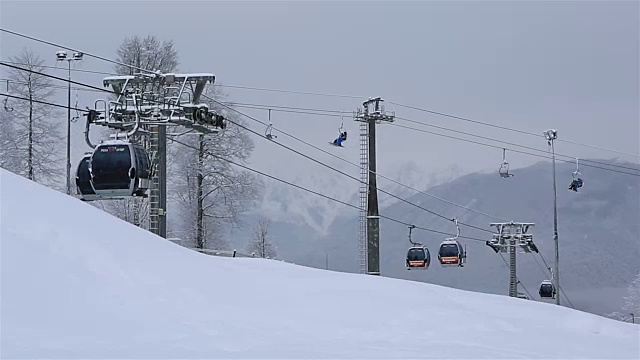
{"x": 78, "y": 282}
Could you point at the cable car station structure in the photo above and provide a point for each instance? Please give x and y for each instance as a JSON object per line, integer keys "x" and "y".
{"x": 133, "y": 162}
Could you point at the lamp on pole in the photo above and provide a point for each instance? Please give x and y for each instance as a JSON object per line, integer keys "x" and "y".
{"x": 551, "y": 135}
{"x": 62, "y": 56}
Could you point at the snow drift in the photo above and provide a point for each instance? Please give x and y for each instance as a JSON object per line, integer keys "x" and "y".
{"x": 79, "y": 283}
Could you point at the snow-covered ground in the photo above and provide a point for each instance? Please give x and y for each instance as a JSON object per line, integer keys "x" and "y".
{"x": 79, "y": 283}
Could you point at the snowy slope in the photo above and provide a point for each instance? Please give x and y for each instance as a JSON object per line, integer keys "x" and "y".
{"x": 79, "y": 283}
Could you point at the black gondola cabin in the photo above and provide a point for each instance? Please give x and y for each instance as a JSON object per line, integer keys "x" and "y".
{"x": 547, "y": 290}
{"x": 120, "y": 168}
{"x": 83, "y": 177}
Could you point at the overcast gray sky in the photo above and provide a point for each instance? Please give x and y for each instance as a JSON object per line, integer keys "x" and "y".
{"x": 568, "y": 65}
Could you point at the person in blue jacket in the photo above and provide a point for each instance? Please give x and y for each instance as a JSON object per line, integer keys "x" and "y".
{"x": 341, "y": 138}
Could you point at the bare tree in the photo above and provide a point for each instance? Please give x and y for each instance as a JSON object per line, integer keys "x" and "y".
{"x": 260, "y": 244}
{"x": 134, "y": 210}
{"x": 632, "y": 300}
{"x": 10, "y": 158}
{"x": 210, "y": 192}
{"x": 148, "y": 53}
{"x": 31, "y": 132}
{"x": 631, "y": 305}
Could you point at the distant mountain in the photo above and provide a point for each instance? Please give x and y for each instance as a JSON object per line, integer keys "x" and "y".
{"x": 285, "y": 204}
{"x": 599, "y": 230}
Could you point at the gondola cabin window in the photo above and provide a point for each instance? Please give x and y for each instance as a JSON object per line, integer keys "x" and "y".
{"x": 449, "y": 250}
{"x": 416, "y": 254}
{"x": 110, "y": 167}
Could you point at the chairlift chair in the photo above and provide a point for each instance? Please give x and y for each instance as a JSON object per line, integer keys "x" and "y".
{"x": 267, "y": 133}
{"x": 7, "y": 108}
{"x": 504, "y": 167}
{"x": 341, "y": 132}
{"x": 576, "y": 181}
{"x": 120, "y": 168}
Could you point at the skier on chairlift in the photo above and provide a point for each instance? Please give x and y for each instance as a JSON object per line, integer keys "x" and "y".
{"x": 340, "y": 139}
{"x": 576, "y": 184}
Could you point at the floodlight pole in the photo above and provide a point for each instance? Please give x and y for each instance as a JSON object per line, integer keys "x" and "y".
{"x": 62, "y": 56}
{"x": 69, "y": 131}
{"x": 551, "y": 136}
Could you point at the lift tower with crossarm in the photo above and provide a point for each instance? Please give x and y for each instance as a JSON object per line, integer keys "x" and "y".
{"x": 369, "y": 115}
{"x": 144, "y": 105}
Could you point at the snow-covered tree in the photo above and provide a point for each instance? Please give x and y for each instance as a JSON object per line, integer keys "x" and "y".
{"x": 631, "y": 302}
{"x": 211, "y": 193}
{"x": 10, "y": 158}
{"x": 134, "y": 210}
{"x": 31, "y": 134}
{"x": 148, "y": 53}
{"x": 260, "y": 244}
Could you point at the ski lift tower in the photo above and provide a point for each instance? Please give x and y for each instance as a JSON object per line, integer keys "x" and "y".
{"x": 145, "y": 105}
{"x": 369, "y": 115}
{"x": 510, "y": 236}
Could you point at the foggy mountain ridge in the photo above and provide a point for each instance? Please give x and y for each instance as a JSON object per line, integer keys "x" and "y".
{"x": 598, "y": 229}
{"x": 282, "y": 203}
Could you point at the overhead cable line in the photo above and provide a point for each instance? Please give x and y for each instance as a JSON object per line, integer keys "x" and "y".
{"x": 42, "y": 102}
{"x": 376, "y": 173}
{"x": 53, "y": 86}
{"x": 215, "y": 85}
{"x": 299, "y": 153}
{"x": 293, "y": 92}
{"x": 338, "y": 113}
{"x": 512, "y": 144}
{"x": 505, "y": 128}
{"x": 63, "y": 69}
{"x": 251, "y": 130}
{"x": 502, "y": 147}
{"x": 315, "y": 192}
{"x": 319, "y": 94}
{"x": 76, "y": 50}
{"x": 57, "y": 78}
{"x": 334, "y": 169}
